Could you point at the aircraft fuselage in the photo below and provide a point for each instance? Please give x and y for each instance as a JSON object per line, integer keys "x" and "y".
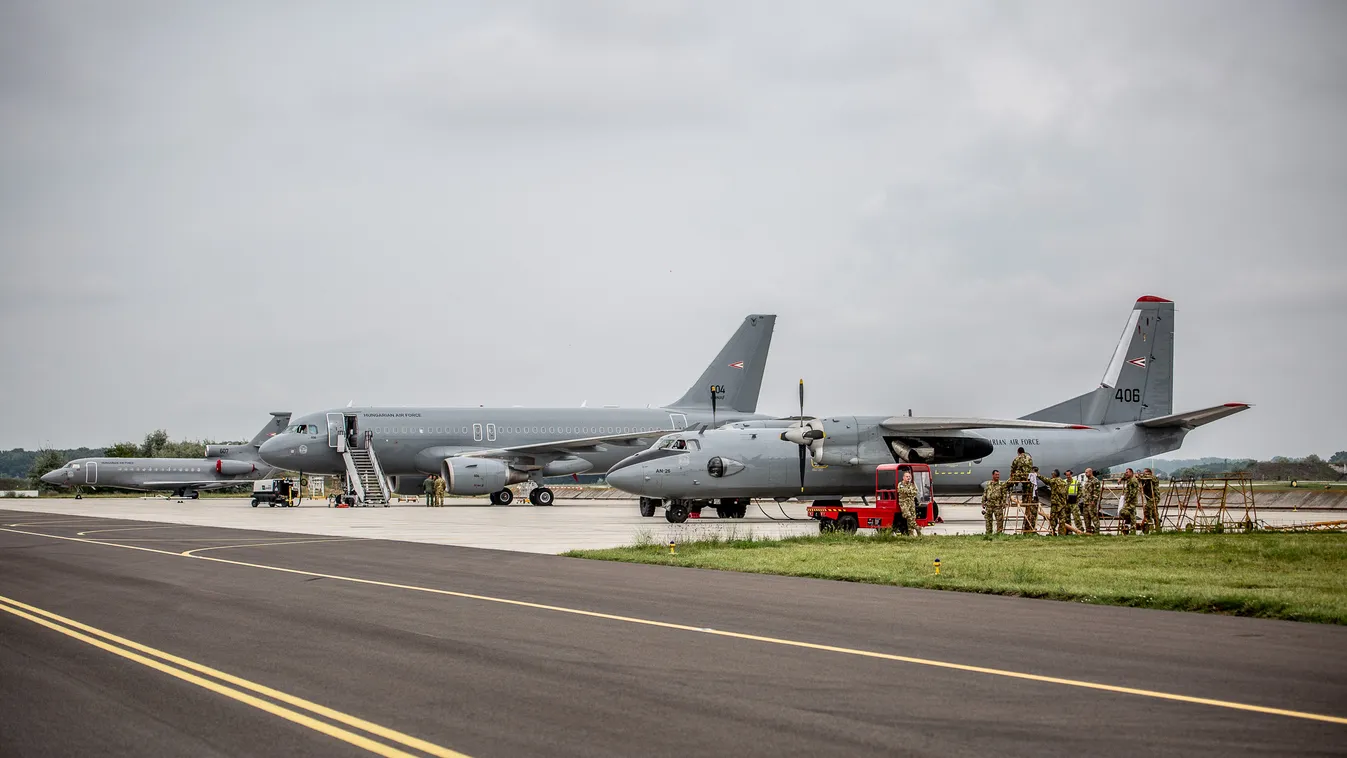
{"x": 414, "y": 441}
{"x": 770, "y": 466}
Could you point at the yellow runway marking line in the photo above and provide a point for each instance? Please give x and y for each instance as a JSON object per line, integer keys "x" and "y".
{"x": 111, "y": 642}
{"x": 267, "y": 544}
{"x": 135, "y": 529}
{"x": 1079, "y": 683}
{"x": 84, "y": 521}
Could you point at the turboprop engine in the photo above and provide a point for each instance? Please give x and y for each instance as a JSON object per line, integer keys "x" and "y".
{"x": 478, "y": 476}
{"x": 234, "y": 468}
{"x": 830, "y": 442}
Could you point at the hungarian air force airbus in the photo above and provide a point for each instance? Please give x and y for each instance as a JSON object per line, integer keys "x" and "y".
{"x": 484, "y": 450}
{"x": 1127, "y": 418}
{"x": 222, "y": 466}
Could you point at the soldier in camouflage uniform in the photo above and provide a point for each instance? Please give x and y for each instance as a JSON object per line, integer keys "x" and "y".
{"x": 428, "y": 487}
{"x": 1092, "y": 490}
{"x": 994, "y": 504}
{"x": 907, "y": 502}
{"x": 1127, "y": 514}
{"x": 440, "y": 489}
{"x": 1150, "y": 489}
{"x": 1057, "y": 513}
{"x": 1019, "y": 479}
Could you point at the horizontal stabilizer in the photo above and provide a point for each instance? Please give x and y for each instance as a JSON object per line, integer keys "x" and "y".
{"x": 951, "y": 423}
{"x": 1194, "y": 419}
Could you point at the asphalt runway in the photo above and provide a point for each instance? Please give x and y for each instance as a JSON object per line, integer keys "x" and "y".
{"x": 135, "y": 638}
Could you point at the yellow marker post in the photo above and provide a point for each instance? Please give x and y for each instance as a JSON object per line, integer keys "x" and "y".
{"x": 671, "y": 547}
{"x": 936, "y": 563}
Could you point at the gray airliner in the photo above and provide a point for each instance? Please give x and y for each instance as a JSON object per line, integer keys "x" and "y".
{"x": 222, "y": 466}
{"x": 485, "y": 450}
{"x": 1127, "y": 418}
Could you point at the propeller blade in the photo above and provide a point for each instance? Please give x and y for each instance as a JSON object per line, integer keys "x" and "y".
{"x": 801, "y": 399}
{"x": 802, "y": 465}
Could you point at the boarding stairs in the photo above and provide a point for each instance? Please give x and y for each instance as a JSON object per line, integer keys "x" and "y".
{"x": 365, "y": 473}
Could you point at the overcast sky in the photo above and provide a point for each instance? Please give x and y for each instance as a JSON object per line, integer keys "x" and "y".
{"x": 205, "y": 206}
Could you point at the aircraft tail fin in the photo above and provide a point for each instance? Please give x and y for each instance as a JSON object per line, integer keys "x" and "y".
{"x": 736, "y": 370}
{"x": 279, "y": 420}
{"x": 1139, "y": 382}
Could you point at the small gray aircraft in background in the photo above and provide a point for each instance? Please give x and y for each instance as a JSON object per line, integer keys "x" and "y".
{"x": 222, "y": 466}
{"x": 482, "y": 451}
{"x": 1128, "y": 417}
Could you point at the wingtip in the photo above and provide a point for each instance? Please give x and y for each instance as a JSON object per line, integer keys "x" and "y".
{"x": 1238, "y": 405}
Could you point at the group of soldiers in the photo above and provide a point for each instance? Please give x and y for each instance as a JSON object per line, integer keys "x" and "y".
{"x": 434, "y": 489}
{"x": 1075, "y": 503}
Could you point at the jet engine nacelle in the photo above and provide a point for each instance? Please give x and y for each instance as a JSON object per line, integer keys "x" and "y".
{"x": 942, "y": 449}
{"x": 220, "y": 451}
{"x": 409, "y": 485}
{"x": 234, "y": 468}
{"x": 478, "y": 476}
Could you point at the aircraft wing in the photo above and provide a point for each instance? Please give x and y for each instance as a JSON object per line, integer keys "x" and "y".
{"x": 954, "y": 423}
{"x": 566, "y": 447}
{"x": 1194, "y": 419}
{"x": 200, "y": 485}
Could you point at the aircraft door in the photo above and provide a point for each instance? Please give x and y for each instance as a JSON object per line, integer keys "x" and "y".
{"x": 476, "y": 432}
{"x": 490, "y": 432}
{"x": 91, "y": 472}
{"x": 336, "y": 432}
{"x": 922, "y": 479}
{"x": 679, "y": 421}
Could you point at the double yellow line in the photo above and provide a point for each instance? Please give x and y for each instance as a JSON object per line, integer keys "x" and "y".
{"x": 237, "y": 688}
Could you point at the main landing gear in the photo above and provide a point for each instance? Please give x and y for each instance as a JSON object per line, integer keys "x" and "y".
{"x": 538, "y": 496}
{"x": 732, "y": 507}
{"x": 678, "y": 511}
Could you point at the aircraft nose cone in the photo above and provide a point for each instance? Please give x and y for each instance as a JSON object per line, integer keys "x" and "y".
{"x": 275, "y": 451}
{"x": 51, "y": 477}
{"x": 628, "y": 479}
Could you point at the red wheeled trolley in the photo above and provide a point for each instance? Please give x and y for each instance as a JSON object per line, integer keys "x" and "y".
{"x": 833, "y": 515}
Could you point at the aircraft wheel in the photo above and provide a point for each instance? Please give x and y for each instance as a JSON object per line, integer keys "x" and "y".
{"x": 676, "y": 513}
{"x": 254, "y": 502}
{"x": 647, "y": 507}
{"x": 742, "y": 510}
{"x": 504, "y": 497}
{"x": 542, "y": 496}
{"x": 78, "y": 496}
{"x": 847, "y": 522}
{"x": 722, "y": 512}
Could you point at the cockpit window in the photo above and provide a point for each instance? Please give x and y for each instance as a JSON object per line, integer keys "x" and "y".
{"x": 75, "y": 466}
